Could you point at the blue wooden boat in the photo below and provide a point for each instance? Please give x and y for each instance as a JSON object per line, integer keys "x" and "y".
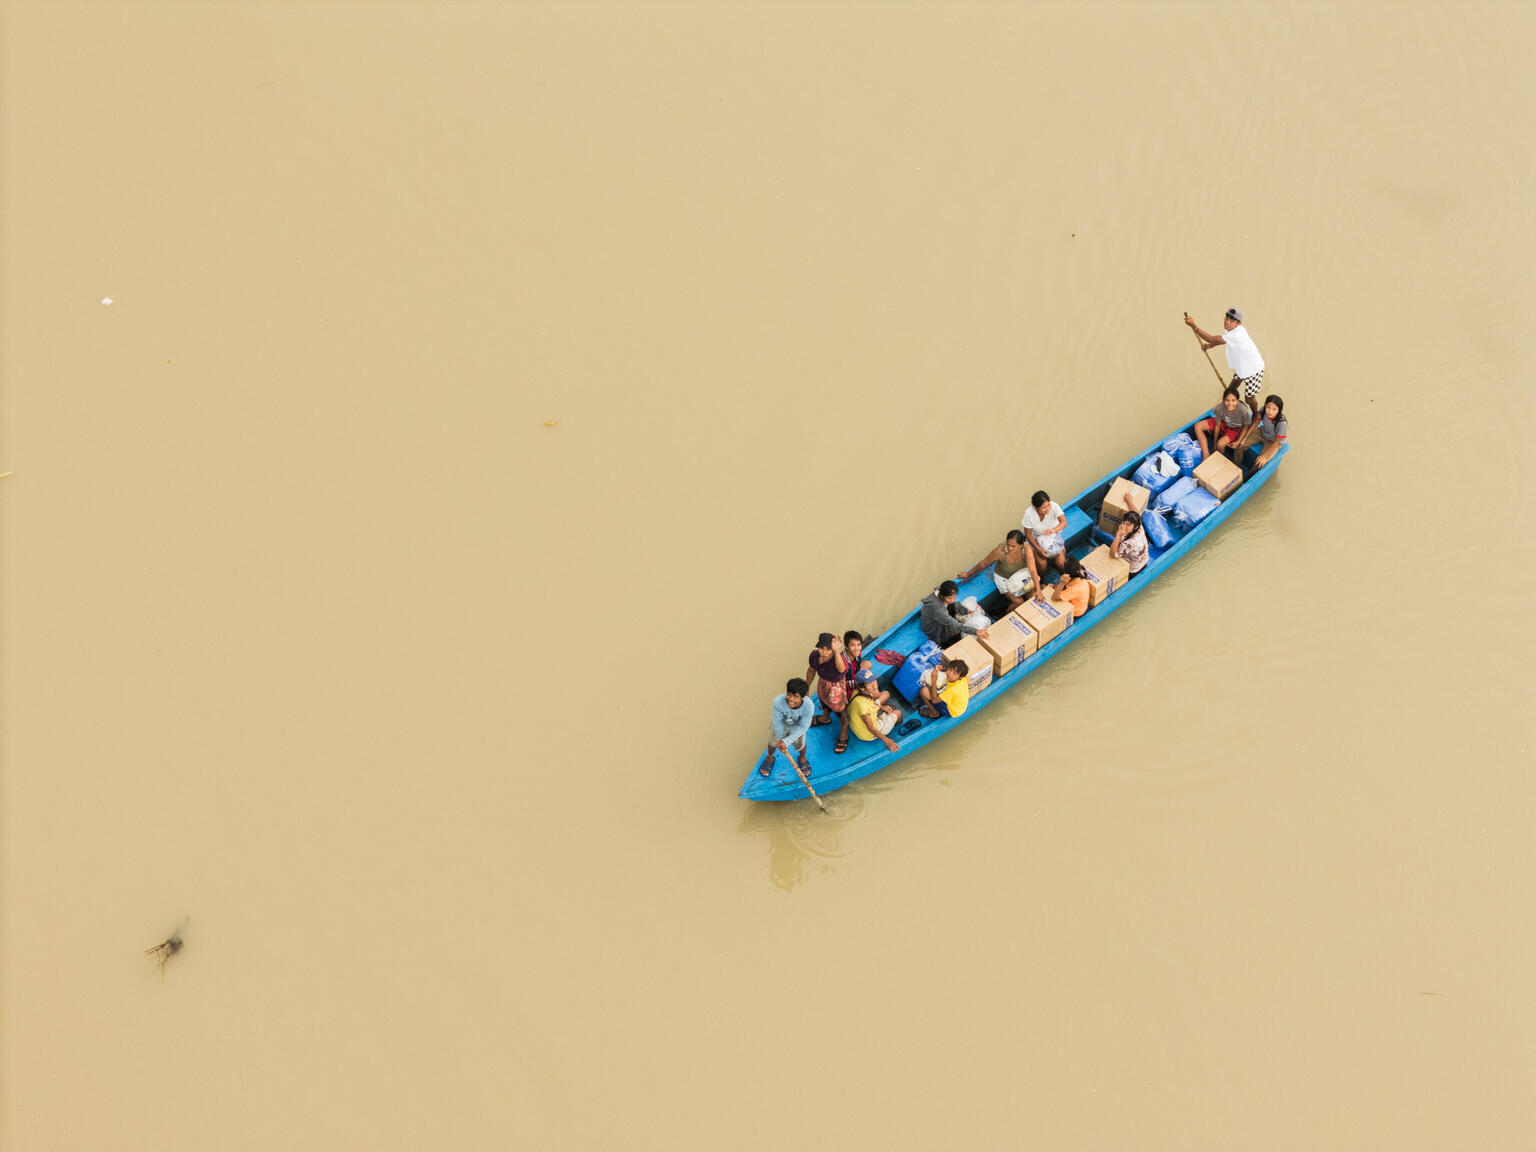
{"x": 830, "y": 771}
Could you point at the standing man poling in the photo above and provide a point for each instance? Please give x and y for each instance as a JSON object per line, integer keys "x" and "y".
{"x": 1242, "y": 353}
{"x": 790, "y": 721}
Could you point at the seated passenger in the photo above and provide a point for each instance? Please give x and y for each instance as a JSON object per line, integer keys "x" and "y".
{"x": 1222, "y": 429}
{"x": 1010, "y": 568}
{"x": 941, "y": 621}
{"x": 830, "y": 666}
{"x": 790, "y": 721}
{"x": 869, "y": 716}
{"x": 1073, "y": 589}
{"x": 946, "y": 691}
{"x": 1130, "y": 542}
{"x": 1271, "y": 429}
{"x": 853, "y": 653}
{"x": 1043, "y": 525}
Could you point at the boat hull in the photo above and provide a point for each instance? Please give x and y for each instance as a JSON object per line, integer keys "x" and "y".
{"x": 831, "y": 771}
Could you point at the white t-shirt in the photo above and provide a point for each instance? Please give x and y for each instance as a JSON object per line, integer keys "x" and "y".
{"x": 1242, "y": 353}
{"x": 1049, "y": 524}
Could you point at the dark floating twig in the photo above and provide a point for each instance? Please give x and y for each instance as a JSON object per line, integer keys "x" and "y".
{"x": 163, "y": 951}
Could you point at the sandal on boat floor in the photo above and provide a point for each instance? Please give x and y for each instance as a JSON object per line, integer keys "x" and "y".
{"x": 766, "y": 767}
{"x": 820, "y": 720}
{"x": 842, "y": 744}
{"x": 805, "y": 764}
{"x": 931, "y": 713}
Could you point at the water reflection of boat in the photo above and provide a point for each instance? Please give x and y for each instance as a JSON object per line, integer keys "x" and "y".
{"x": 830, "y": 771}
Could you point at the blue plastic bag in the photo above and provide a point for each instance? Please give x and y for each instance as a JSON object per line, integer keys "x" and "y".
{"x": 910, "y": 675}
{"x": 1159, "y": 535}
{"x": 1172, "y": 494}
{"x": 1184, "y": 450}
{"x": 1157, "y": 471}
{"x": 1194, "y": 508}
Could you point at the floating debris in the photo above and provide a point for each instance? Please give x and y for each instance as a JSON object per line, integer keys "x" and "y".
{"x": 106, "y": 301}
{"x": 550, "y": 423}
{"x": 163, "y": 951}
{"x": 3, "y": 475}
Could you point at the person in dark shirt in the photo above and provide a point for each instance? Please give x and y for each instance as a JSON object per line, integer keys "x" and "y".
{"x": 941, "y": 621}
{"x": 829, "y": 663}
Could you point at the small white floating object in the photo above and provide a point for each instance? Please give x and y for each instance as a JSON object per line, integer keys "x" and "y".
{"x": 106, "y": 301}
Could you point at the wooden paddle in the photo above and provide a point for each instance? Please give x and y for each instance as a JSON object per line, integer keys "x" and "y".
{"x": 1220, "y": 379}
{"x": 804, "y": 780}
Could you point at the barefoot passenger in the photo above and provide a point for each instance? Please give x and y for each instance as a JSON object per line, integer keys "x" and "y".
{"x": 1010, "y": 568}
{"x": 1043, "y": 525}
{"x": 1223, "y": 427}
{"x": 946, "y": 690}
{"x": 869, "y": 716}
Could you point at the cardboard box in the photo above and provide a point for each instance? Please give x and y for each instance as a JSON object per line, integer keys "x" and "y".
{"x": 1218, "y": 475}
{"x": 1122, "y": 497}
{"x": 1046, "y": 620}
{"x": 1009, "y": 640}
{"x": 1105, "y": 573}
{"x": 977, "y": 659}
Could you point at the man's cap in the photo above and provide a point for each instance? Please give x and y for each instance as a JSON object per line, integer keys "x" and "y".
{"x": 1235, "y": 314}
{"x": 824, "y": 640}
{"x": 865, "y": 676}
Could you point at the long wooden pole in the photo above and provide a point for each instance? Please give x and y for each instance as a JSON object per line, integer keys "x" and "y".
{"x": 804, "y": 780}
{"x": 1220, "y": 379}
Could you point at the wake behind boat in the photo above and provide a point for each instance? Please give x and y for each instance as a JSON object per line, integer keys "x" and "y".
{"x": 1083, "y": 535}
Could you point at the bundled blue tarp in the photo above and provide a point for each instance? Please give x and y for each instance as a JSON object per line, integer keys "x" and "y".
{"x": 1157, "y": 471}
{"x": 1194, "y": 508}
{"x": 1159, "y": 535}
{"x": 1172, "y": 494}
{"x": 1184, "y": 450}
{"x": 909, "y": 676}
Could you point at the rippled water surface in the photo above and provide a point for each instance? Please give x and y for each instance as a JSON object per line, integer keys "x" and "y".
{"x": 494, "y": 402}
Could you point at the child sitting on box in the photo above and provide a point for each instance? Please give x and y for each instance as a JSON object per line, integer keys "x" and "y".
{"x": 1130, "y": 542}
{"x": 946, "y": 690}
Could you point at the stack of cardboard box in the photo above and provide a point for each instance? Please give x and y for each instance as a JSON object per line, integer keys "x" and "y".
{"x": 1010, "y": 641}
{"x": 1105, "y": 574}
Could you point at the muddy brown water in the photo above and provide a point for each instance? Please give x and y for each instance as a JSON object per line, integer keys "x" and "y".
{"x": 430, "y": 715}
